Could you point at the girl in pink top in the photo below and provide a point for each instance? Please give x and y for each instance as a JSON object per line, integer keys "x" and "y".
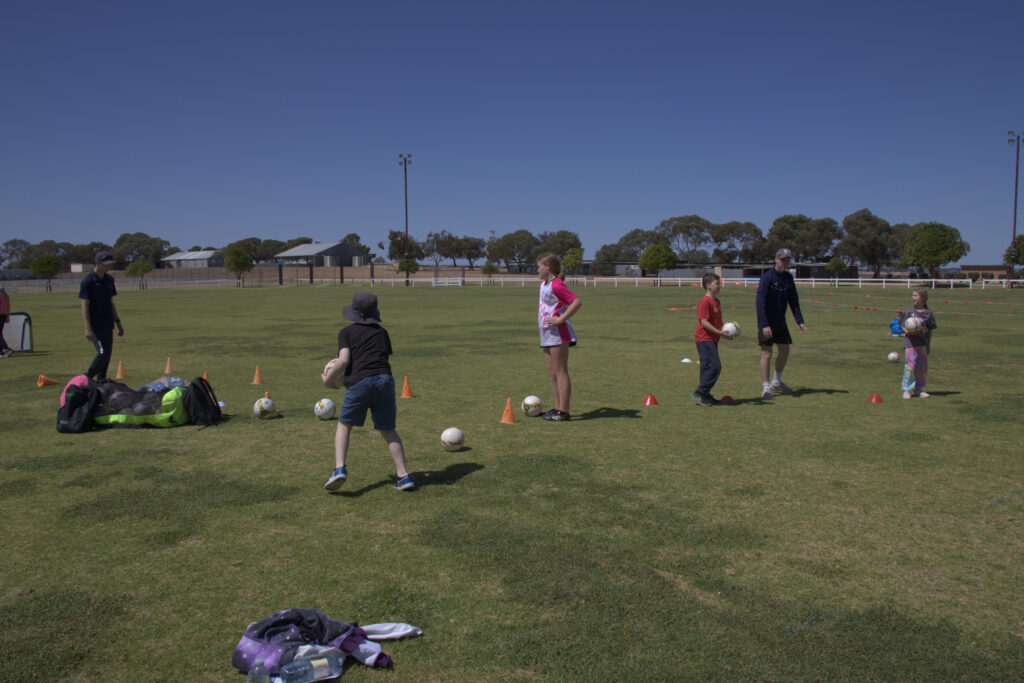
{"x": 557, "y": 305}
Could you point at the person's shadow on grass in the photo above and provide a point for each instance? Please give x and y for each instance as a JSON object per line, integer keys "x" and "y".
{"x": 797, "y": 393}
{"x": 606, "y": 412}
{"x": 445, "y": 477}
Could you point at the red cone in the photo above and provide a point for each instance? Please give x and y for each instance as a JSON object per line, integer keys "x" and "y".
{"x": 649, "y": 400}
{"x": 875, "y": 398}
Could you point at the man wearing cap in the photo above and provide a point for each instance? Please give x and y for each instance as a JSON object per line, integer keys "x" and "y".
{"x": 99, "y": 315}
{"x": 775, "y": 292}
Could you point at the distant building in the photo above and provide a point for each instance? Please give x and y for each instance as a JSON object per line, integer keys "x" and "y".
{"x": 988, "y": 272}
{"x": 326, "y": 254}
{"x": 211, "y": 258}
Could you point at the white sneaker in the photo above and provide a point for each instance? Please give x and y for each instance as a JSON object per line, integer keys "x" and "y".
{"x": 906, "y": 394}
{"x": 780, "y": 388}
{"x": 922, "y": 394}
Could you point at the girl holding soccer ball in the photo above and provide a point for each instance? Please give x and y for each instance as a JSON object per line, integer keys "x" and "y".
{"x": 918, "y": 322}
{"x": 557, "y": 304}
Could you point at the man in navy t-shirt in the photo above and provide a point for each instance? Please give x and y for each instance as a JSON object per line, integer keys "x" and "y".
{"x": 99, "y": 315}
{"x": 776, "y": 291}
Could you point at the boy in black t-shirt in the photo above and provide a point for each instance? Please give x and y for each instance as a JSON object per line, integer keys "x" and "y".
{"x": 362, "y": 366}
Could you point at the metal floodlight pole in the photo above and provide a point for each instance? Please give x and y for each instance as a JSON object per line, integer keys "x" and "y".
{"x": 404, "y": 161}
{"x": 1016, "y": 182}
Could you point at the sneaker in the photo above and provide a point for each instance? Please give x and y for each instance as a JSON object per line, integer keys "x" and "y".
{"x": 714, "y": 401}
{"x": 547, "y": 414}
{"x": 336, "y": 480}
{"x": 697, "y": 397}
{"x": 767, "y": 396}
{"x": 704, "y": 402}
{"x": 405, "y": 483}
{"x": 560, "y": 416}
{"x": 922, "y": 394}
{"x": 906, "y": 394}
{"x": 780, "y": 388}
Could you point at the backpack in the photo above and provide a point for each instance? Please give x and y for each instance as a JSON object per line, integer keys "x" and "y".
{"x": 77, "y": 415}
{"x": 201, "y": 403}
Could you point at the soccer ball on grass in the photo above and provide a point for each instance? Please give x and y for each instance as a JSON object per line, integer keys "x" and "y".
{"x": 324, "y": 409}
{"x": 264, "y": 408}
{"x": 532, "y": 406}
{"x": 893, "y": 356}
{"x": 452, "y": 439}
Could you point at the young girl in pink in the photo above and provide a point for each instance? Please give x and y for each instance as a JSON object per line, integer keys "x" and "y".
{"x": 917, "y": 344}
{"x": 557, "y": 305}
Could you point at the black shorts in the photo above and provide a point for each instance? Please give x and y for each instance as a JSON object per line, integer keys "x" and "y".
{"x": 780, "y": 335}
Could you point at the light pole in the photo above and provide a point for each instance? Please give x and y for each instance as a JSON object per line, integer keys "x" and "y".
{"x": 404, "y": 161}
{"x": 1013, "y": 137}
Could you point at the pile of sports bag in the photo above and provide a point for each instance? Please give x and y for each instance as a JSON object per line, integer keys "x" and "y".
{"x": 88, "y": 404}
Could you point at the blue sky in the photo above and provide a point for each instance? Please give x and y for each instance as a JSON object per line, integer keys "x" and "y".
{"x": 206, "y": 122}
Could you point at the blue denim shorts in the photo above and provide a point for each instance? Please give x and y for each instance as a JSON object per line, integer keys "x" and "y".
{"x": 376, "y": 394}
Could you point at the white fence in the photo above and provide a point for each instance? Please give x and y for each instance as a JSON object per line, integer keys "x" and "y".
{"x": 133, "y": 284}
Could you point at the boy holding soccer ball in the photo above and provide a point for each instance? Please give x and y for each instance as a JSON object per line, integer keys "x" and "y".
{"x": 709, "y": 329}
{"x": 362, "y": 366}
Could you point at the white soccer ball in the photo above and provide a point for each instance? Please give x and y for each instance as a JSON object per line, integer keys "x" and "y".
{"x": 327, "y": 368}
{"x": 532, "y": 406}
{"x": 452, "y": 439}
{"x": 913, "y": 325}
{"x": 733, "y": 328}
{"x": 324, "y": 409}
{"x": 893, "y": 356}
{"x": 264, "y": 408}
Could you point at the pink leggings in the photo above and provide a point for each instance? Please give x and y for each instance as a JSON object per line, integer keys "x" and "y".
{"x": 915, "y": 372}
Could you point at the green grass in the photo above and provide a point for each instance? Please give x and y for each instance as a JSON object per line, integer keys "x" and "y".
{"x": 816, "y": 537}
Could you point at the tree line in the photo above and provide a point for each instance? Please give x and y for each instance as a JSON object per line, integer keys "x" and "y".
{"x": 861, "y": 240}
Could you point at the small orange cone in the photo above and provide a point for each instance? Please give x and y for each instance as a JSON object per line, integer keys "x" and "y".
{"x": 258, "y": 377}
{"x": 406, "y": 389}
{"x": 508, "y": 417}
{"x": 45, "y": 381}
{"x": 266, "y": 394}
{"x": 649, "y": 400}
{"x": 120, "y": 371}
{"x": 875, "y": 398}
{"x": 168, "y": 369}
{"x": 205, "y": 376}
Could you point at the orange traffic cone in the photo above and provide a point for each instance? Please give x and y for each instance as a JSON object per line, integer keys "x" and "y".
{"x": 406, "y": 389}
{"x": 258, "y": 377}
{"x": 45, "y": 381}
{"x": 120, "y": 371}
{"x": 205, "y": 376}
{"x": 875, "y": 398}
{"x": 168, "y": 369}
{"x": 508, "y": 417}
{"x": 649, "y": 400}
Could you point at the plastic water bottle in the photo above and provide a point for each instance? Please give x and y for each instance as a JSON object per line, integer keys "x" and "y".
{"x": 315, "y": 669}
{"x": 258, "y": 673}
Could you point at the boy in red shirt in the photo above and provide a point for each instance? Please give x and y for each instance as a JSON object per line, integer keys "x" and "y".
{"x": 709, "y": 329}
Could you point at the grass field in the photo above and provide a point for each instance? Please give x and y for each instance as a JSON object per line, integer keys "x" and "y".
{"x": 816, "y": 537}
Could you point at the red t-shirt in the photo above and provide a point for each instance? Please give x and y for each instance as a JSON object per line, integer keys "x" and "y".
{"x": 711, "y": 309}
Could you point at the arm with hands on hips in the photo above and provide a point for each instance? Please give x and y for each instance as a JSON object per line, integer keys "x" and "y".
{"x": 330, "y": 379}
{"x": 556, "y": 320}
